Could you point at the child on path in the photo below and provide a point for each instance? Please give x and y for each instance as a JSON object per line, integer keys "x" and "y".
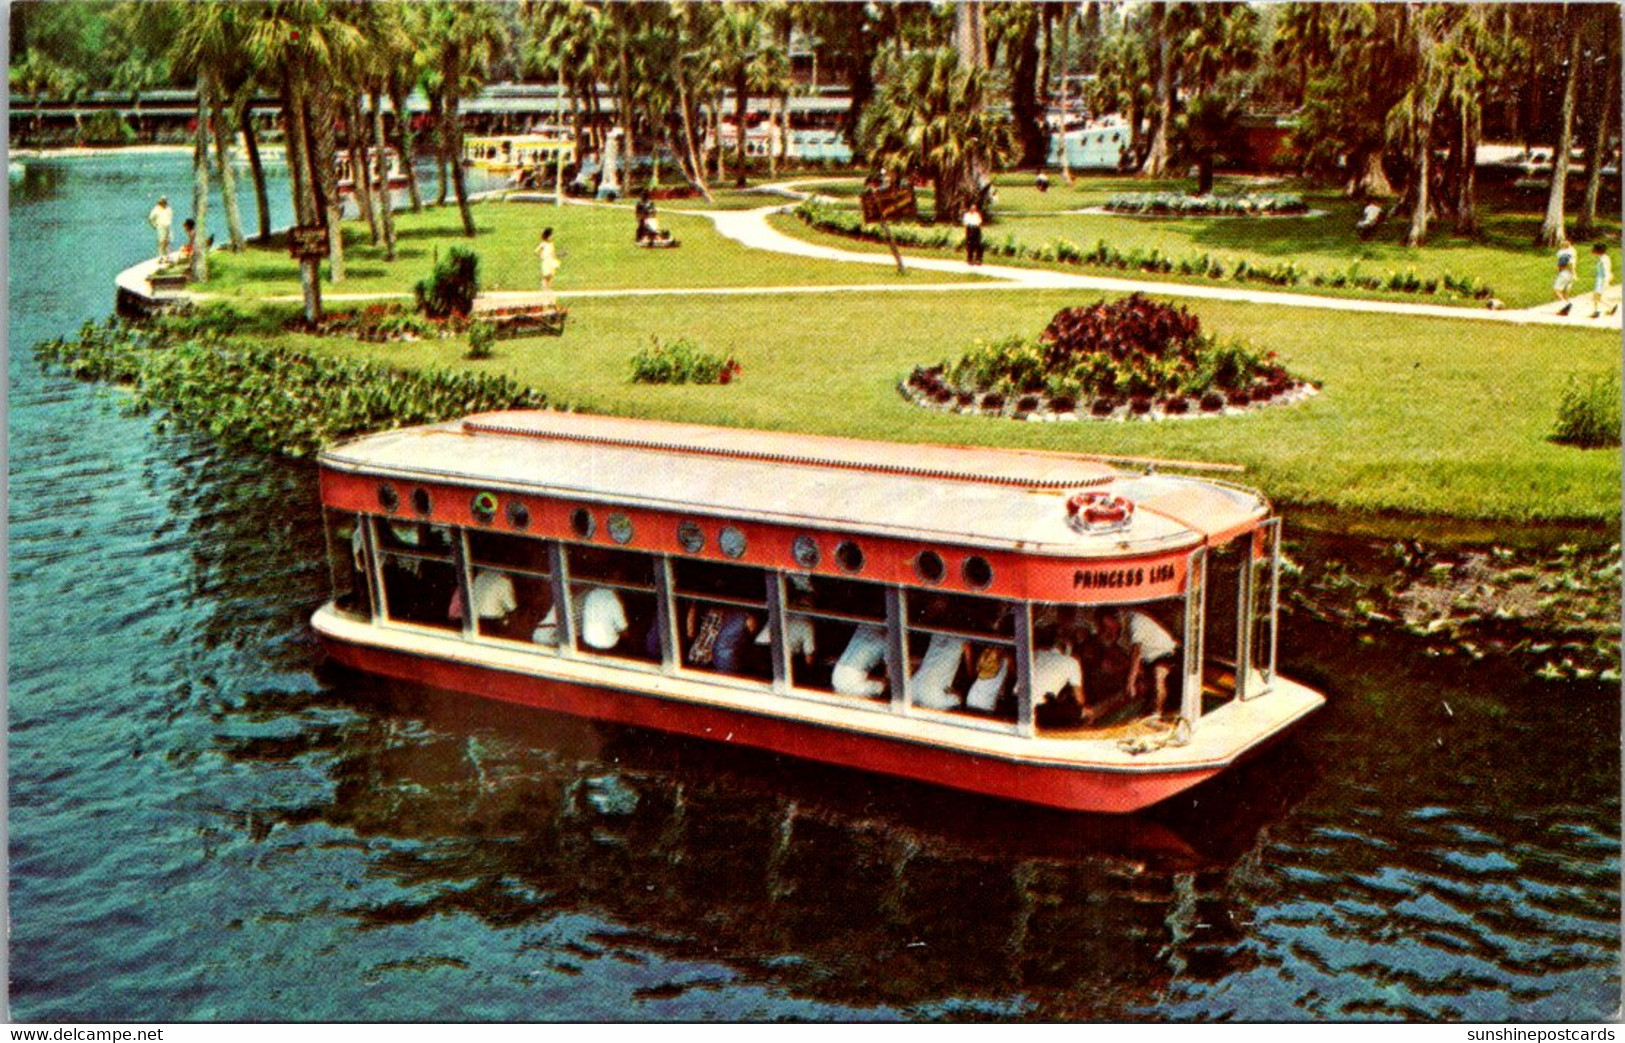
{"x": 550, "y": 264}
{"x": 1565, "y": 275}
{"x": 1605, "y": 275}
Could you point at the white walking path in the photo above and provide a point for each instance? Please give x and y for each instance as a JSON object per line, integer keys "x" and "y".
{"x": 751, "y": 229}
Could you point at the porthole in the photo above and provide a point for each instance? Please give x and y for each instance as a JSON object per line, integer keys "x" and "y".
{"x": 849, "y": 556}
{"x": 690, "y": 537}
{"x": 619, "y": 527}
{"x": 977, "y": 572}
{"x": 518, "y": 515}
{"x": 421, "y": 502}
{"x": 929, "y": 566}
{"x": 731, "y": 542}
{"x": 582, "y": 521}
{"x": 388, "y": 498}
{"x": 484, "y": 507}
{"x": 804, "y": 549}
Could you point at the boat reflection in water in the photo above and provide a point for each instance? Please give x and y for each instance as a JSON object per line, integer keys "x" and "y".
{"x": 840, "y": 886}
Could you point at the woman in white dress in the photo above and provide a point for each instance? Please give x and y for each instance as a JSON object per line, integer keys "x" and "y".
{"x": 549, "y": 256}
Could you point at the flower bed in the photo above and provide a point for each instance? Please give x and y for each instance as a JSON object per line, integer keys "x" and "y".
{"x": 1179, "y": 204}
{"x": 827, "y": 218}
{"x": 1133, "y": 358}
{"x": 681, "y": 362}
{"x": 387, "y": 323}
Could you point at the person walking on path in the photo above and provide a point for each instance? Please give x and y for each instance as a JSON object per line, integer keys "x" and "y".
{"x": 161, "y": 219}
{"x": 549, "y": 256}
{"x": 1565, "y": 275}
{"x": 973, "y": 236}
{"x": 1605, "y": 275}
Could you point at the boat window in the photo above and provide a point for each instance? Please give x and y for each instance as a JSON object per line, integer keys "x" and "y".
{"x": 419, "y": 576}
{"x": 1098, "y": 646}
{"x": 962, "y": 654}
{"x": 512, "y": 587}
{"x": 612, "y": 603}
{"x": 347, "y": 562}
{"x": 721, "y": 613}
{"x": 836, "y": 635}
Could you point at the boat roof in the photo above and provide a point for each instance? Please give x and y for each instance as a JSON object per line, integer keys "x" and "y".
{"x": 1010, "y": 499}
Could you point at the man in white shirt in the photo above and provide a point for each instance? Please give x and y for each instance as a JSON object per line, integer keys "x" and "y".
{"x": 493, "y": 595}
{"x": 603, "y": 620}
{"x": 1149, "y": 647}
{"x": 865, "y": 651}
{"x": 161, "y": 219}
{"x": 932, "y": 684}
{"x": 798, "y": 638}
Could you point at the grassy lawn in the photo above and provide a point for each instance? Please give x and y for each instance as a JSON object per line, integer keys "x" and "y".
{"x": 1418, "y": 416}
{"x": 1504, "y": 257}
{"x": 594, "y": 243}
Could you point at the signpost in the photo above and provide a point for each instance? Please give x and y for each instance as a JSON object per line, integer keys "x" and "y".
{"x": 307, "y": 241}
{"x": 884, "y": 205}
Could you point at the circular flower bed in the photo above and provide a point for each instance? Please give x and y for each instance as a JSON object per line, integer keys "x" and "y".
{"x": 1178, "y": 204}
{"x": 1134, "y": 358}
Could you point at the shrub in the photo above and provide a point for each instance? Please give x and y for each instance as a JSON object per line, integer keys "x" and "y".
{"x": 1588, "y": 415}
{"x": 680, "y": 362}
{"x": 481, "y": 335}
{"x": 1177, "y": 407}
{"x": 108, "y": 128}
{"x": 450, "y": 289}
{"x": 1212, "y": 402}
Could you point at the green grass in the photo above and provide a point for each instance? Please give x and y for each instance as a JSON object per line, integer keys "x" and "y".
{"x": 1504, "y": 257}
{"x": 1418, "y": 416}
{"x": 594, "y": 244}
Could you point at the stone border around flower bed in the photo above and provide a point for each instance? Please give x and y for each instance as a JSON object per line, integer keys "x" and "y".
{"x": 1100, "y": 211}
{"x": 1042, "y": 413}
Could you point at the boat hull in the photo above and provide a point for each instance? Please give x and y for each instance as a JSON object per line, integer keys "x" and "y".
{"x": 1081, "y": 787}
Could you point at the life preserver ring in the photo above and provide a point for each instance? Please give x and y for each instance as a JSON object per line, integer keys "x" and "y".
{"x": 1098, "y": 510}
{"x": 485, "y": 505}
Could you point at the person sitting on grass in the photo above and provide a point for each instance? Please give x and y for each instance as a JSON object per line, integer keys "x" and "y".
{"x": 1370, "y": 218}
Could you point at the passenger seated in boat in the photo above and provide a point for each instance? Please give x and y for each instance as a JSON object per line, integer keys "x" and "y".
{"x": 990, "y": 668}
{"x": 600, "y": 620}
{"x": 1057, "y": 682}
{"x": 932, "y": 684}
{"x": 718, "y": 637}
{"x": 1149, "y": 647}
{"x": 799, "y": 639}
{"x": 493, "y": 597}
{"x": 865, "y": 651}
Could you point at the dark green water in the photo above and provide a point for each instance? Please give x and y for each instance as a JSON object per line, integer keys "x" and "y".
{"x": 206, "y": 825}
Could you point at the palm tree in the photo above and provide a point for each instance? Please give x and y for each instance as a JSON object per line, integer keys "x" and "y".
{"x": 930, "y": 118}
{"x": 464, "y": 38}
{"x": 734, "y": 43}
{"x": 1604, "y": 79}
{"x": 293, "y": 40}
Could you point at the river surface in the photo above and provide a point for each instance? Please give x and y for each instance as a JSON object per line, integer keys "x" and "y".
{"x": 206, "y": 824}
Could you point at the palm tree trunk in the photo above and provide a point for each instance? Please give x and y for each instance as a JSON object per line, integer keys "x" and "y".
{"x": 741, "y": 102}
{"x": 304, "y": 191}
{"x": 360, "y": 177}
{"x": 1551, "y": 229}
{"x": 696, "y": 162}
{"x": 1066, "y": 66}
{"x": 716, "y": 119}
{"x": 321, "y": 124}
{"x": 454, "y": 127}
{"x": 1607, "y": 89}
{"x": 256, "y": 169}
{"x": 228, "y": 177}
{"x": 405, "y": 145}
{"x": 199, "y": 270}
{"x": 1156, "y": 160}
{"x": 385, "y": 193}
{"x": 437, "y": 109}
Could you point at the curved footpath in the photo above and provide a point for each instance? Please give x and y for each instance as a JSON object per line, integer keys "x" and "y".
{"x": 751, "y": 229}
